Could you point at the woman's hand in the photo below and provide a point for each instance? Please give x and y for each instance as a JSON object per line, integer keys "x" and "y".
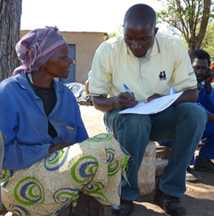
{"x": 55, "y": 147}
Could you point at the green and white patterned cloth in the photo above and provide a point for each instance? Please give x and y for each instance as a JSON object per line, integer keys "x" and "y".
{"x": 93, "y": 167}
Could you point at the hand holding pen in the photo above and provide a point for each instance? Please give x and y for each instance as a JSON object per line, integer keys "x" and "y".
{"x": 127, "y": 90}
{"x": 125, "y": 99}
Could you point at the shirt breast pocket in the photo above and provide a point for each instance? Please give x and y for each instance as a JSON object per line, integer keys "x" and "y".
{"x": 66, "y": 133}
{"x": 163, "y": 80}
{"x": 70, "y": 134}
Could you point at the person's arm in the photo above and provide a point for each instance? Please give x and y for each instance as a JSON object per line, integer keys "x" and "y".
{"x": 206, "y": 99}
{"x": 187, "y": 96}
{"x": 100, "y": 82}
{"x": 210, "y": 117}
{"x": 183, "y": 78}
{"x": 81, "y": 130}
{"x": 123, "y": 100}
{"x": 190, "y": 95}
{"x": 17, "y": 154}
{"x": 56, "y": 147}
{"x": 73, "y": 110}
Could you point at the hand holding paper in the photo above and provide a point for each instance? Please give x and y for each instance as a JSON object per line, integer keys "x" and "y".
{"x": 154, "y": 96}
{"x": 154, "y": 106}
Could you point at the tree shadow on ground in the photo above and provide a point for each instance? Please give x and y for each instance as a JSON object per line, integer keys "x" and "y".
{"x": 140, "y": 209}
{"x": 194, "y": 206}
{"x": 198, "y": 206}
{"x": 206, "y": 178}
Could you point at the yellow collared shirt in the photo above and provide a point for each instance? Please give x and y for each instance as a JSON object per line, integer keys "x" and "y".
{"x": 166, "y": 64}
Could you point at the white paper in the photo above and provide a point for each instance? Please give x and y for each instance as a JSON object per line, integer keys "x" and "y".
{"x": 154, "y": 106}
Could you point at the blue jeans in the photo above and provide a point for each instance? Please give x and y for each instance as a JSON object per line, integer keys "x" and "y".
{"x": 185, "y": 123}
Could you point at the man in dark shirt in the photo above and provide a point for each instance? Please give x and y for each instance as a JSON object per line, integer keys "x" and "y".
{"x": 201, "y": 65}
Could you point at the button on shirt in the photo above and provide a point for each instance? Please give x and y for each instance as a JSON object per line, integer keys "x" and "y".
{"x": 24, "y": 123}
{"x": 166, "y": 64}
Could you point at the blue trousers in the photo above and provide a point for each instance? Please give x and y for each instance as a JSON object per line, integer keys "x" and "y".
{"x": 184, "y": 123}
{"x": 207, "y": 150}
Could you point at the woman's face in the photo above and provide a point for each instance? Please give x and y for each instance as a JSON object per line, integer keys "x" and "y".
{"x": 58, "y": 64}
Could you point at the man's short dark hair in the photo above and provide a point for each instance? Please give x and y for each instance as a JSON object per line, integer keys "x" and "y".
{"x": 140, "y": 14}
{"x": 200, "y": 54}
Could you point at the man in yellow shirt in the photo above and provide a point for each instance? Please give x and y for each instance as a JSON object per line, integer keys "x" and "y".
{"x": 149, "y": 64}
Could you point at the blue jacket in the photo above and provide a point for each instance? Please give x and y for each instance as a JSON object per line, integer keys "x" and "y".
{"x": 206, "y": 99}
{"x": 24, "y": 124}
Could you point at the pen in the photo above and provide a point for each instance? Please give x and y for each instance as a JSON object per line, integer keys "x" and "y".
{"x": 126, "y": 88}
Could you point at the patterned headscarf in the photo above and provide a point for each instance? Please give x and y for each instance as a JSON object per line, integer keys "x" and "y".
{"x": 36, "y": 48}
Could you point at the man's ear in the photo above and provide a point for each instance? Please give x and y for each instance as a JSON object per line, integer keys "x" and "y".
{"x": 156, "y": 30}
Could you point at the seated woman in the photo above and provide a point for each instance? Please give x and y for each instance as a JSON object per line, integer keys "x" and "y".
{"x": 46, "y": 156}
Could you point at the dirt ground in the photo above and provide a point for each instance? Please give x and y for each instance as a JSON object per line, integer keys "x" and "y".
{"x": 199, "y": 198}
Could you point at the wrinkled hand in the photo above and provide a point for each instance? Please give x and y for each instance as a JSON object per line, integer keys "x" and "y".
{"x": 154, "y": 96}
{"x": 124, "y": 100}
{"x": 55, "y": 147}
